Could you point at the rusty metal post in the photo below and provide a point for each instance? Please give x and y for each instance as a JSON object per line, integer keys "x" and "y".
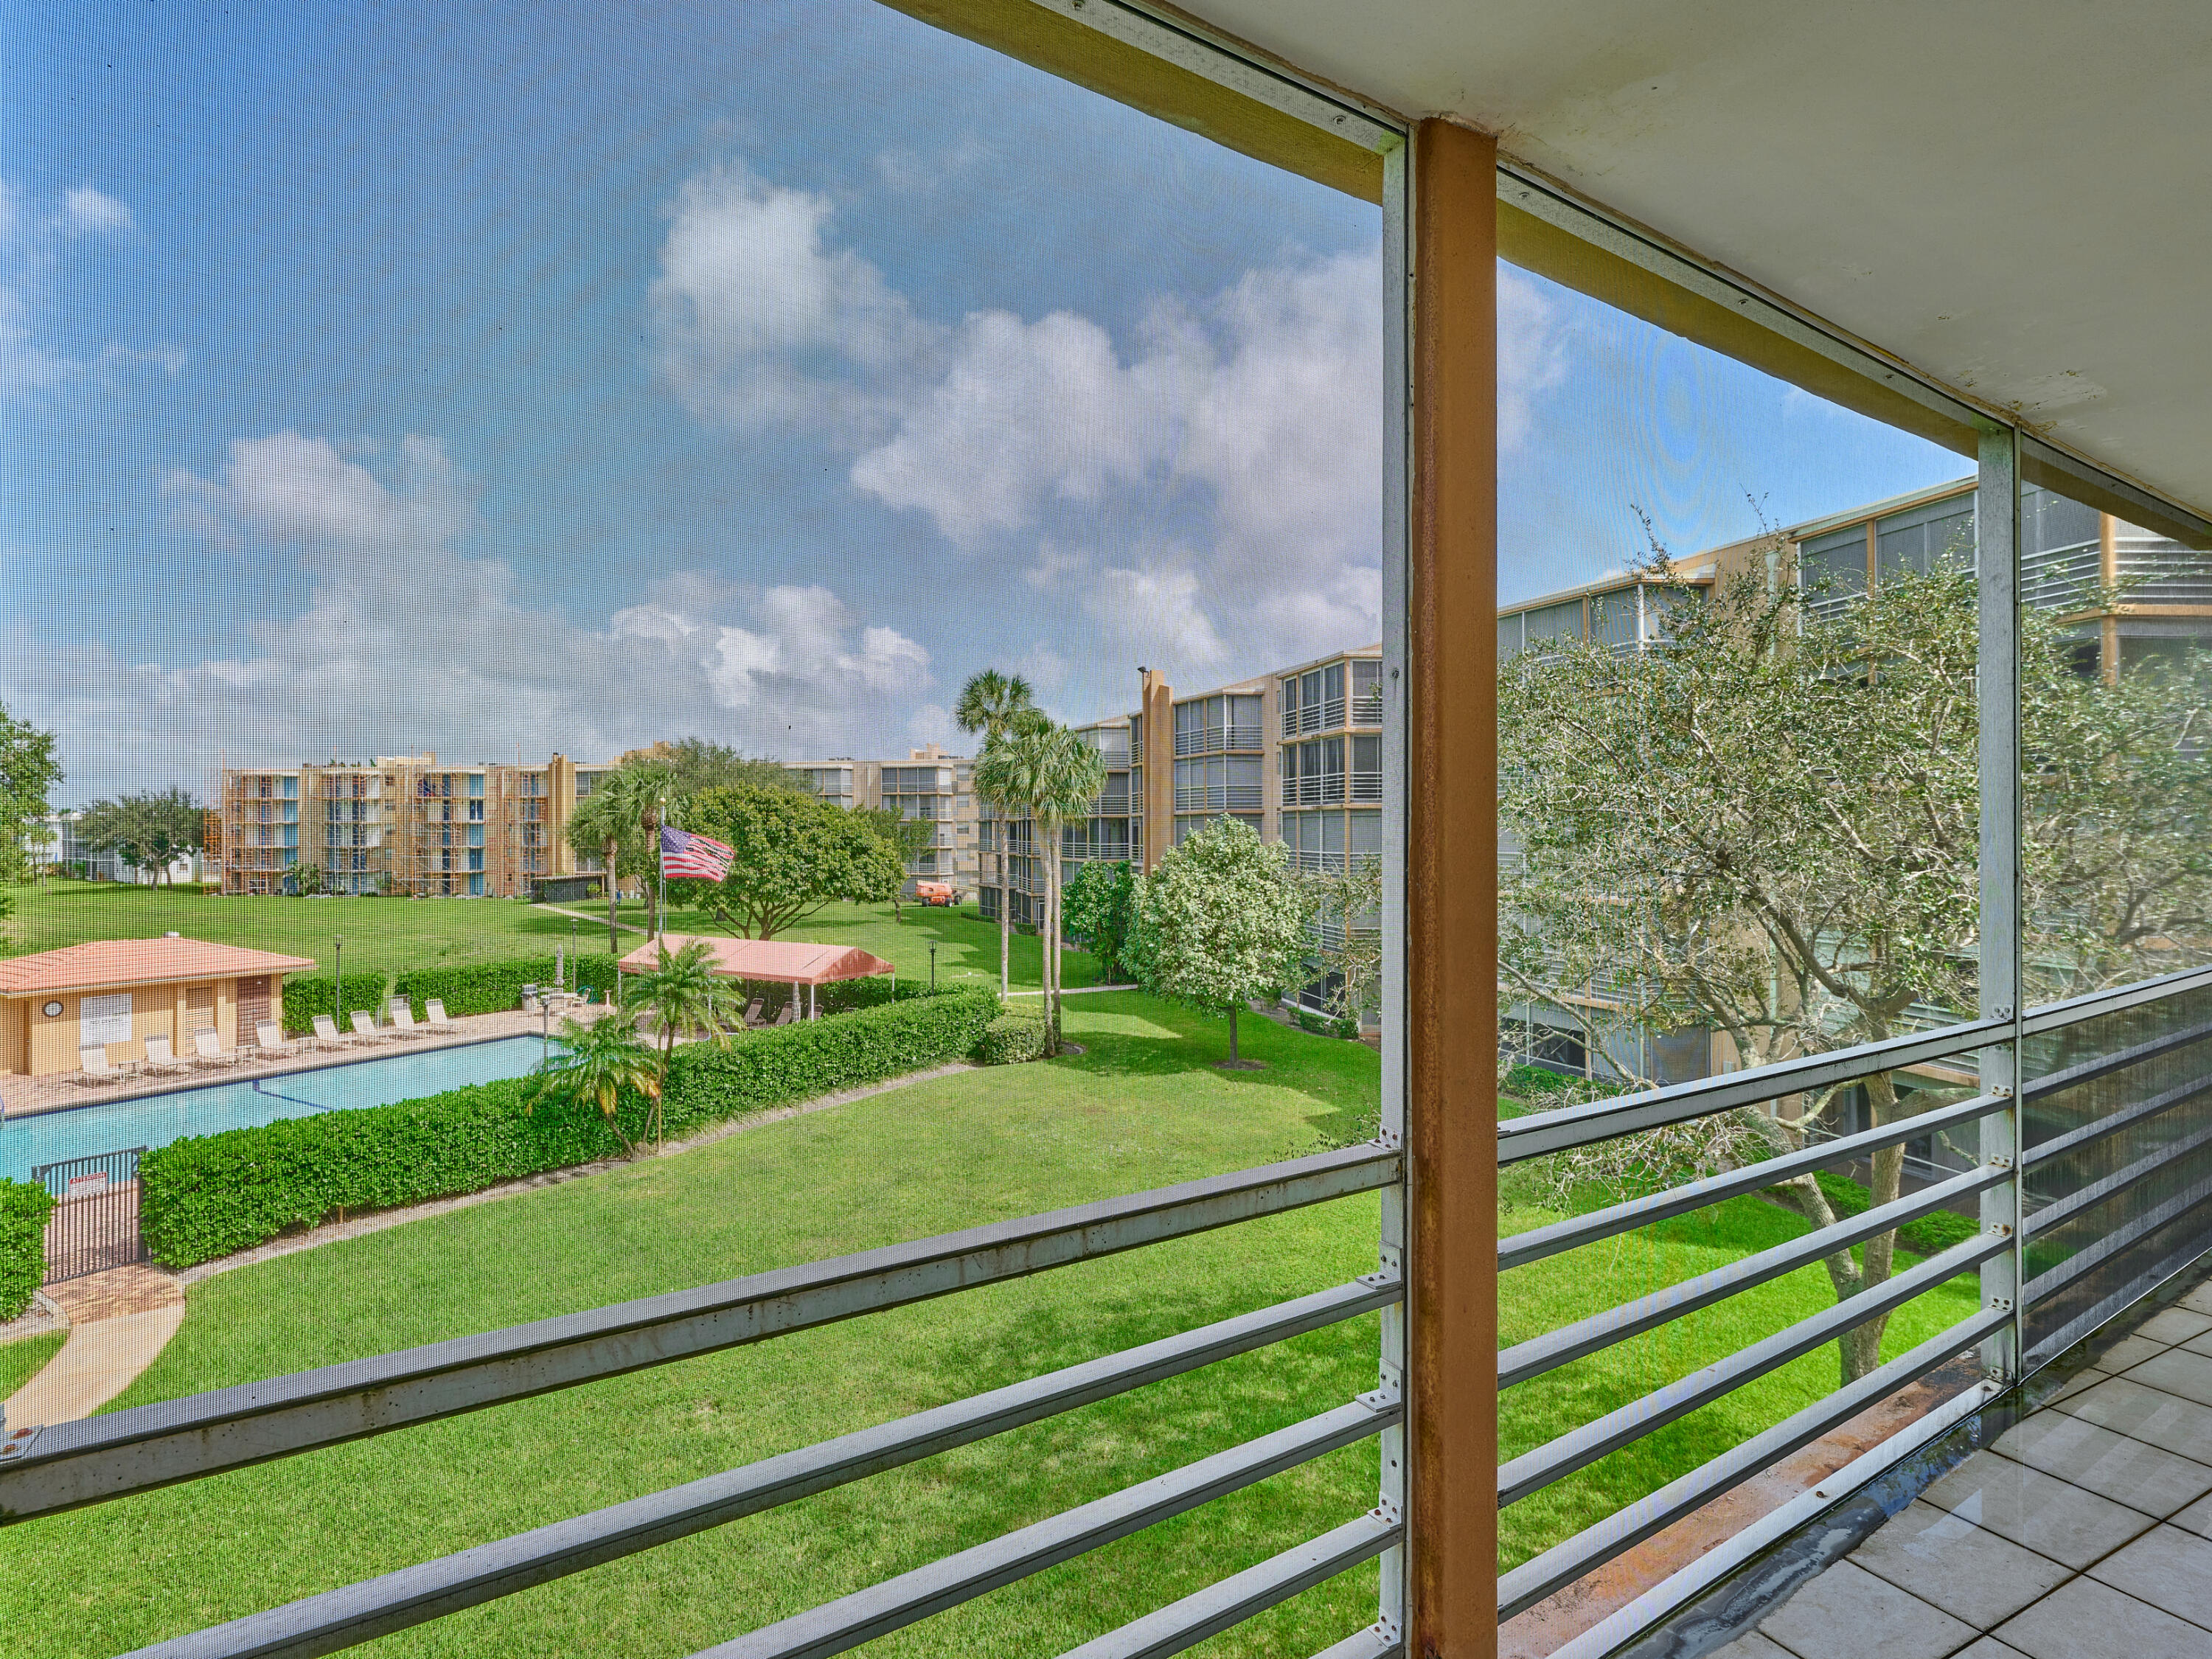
{"x": 1451, "y": 892}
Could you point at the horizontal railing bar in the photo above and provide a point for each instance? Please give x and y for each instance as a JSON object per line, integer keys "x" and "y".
{"x": 1679, "y": 1589}
{"x": 2105, "y": 1189}
{"x": 2104, "y": 1065}
{"x": 1541, "y": 1241}
{"x": 1600, "y": 1331}
{"x": 2126, "y": 1236}
{"x": 2054, "y": 1016}
{"x": 1369, "y": 1643}
{"x": 1543, "y": 1133}
{"x": 413, "y": 1595}
{"x": 1182, "y": 1625}
{"x": 2098, "y": 1128}
{"x": 95, "y": 1459}
{"x": 1534, "y": 1471}
{"x": 836, "y": 1627}
{"x": 1564, "y": 1562}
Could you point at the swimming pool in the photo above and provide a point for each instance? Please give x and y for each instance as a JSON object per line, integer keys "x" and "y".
{"x": 157, "y": 1120}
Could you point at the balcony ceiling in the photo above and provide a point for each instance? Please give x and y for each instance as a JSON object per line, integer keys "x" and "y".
{"x": 2012, "y": 197}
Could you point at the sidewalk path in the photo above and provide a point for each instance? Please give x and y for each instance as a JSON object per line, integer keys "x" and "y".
{"x": 118, "y": 1320}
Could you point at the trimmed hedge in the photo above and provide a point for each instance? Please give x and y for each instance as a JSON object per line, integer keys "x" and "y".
{"x": 24, "y": 1207}
{"x": 1012, "y": 1039}
{"x": 209, "y": 1195}
{"x": 491, "y": 987}
{"x": 306, "y": 995}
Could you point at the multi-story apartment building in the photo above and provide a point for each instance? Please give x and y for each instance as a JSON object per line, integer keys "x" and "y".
{"x": 408, "y": 825}
{"x": 929, "y": 786}
{"x": 1296, "y": 754}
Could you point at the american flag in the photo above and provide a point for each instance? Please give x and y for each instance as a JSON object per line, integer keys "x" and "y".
{"x": 700, "y": 857}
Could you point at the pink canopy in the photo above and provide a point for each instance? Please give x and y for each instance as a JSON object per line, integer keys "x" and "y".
{"x": 787, "y": 962}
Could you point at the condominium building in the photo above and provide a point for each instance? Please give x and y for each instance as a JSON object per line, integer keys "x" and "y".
{"x": 408, "y": 825}
{"x": 929, "y": 786}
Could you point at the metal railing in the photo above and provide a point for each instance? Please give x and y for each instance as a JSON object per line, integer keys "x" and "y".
{"x": 67, "y": 1466}
{"x": 2145, "y": 1080}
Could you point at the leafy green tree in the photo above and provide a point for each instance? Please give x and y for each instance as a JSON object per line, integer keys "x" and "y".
{"x": 619, "y": 825}
{"x": 1347, "y": 907}
{"x": 307, "y": 879}
{"x": 795, "y": 853}
{"x": 990, "y": 703}
{"x": 150, "y": 830}
{"x": 1045, "y": 770}
{"x": 599, "y": 828}
{"x": 695, "y": 765}
{"x": 1222, "y": 921}
{"x": 1766, "y": 825}
{"x": 683, "y": 993}
{"x": 28, "y": 771}
{"x": 909, "y": 838}
{"x": 1101, "y": 904}
{"x": 596, "y": 1064}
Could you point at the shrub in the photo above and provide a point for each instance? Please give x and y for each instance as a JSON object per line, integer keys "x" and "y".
{"x": 1931, "y": 1235}
{"x": 24, "y": 1207}
{"x": 209, "y": 1195}
{"x": 306, "y": 995}
{"x": 1011, "y": 1039}
{"x": 491, "y": 987}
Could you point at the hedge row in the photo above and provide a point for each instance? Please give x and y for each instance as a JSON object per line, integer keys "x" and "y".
{"x": 209, "y": 1195}
{"x": 1931, "y": 1235}
{"x": 309, "y": 994}
{"x": 490, "y": 987}
{"x": 24, "y": 1207}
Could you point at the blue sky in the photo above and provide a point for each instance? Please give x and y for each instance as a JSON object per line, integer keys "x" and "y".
{"x": 475, "y": 377}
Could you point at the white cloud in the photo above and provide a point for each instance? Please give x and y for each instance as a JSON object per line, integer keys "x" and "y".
{"x": 87, "y": 210}
{"x": 405, "y": 642}
{"x": 1531, "y": 355}
{"x": 761, "y": 321}
{"x": 909, "y": 172}
{"x": 1153, "y": 616}
{"x": 45, "y": 342}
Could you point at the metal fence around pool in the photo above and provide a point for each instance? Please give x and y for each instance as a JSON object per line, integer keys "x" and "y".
{"x": 94, "y": 1224}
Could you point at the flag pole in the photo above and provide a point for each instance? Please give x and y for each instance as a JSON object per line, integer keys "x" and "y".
{"x": 660, "y": 841}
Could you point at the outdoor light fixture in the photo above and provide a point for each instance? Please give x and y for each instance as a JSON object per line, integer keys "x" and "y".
{"x": 337, "y": 976}
{"x": 932, "y": 965}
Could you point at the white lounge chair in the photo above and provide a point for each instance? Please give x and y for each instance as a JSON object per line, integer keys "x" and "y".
{"x": 160, "y": 1057}
{"x": 270, "y": 1037}
{"x": 433, "y": 1014}
{"x": 207, "y": 1050}
{"x": 327, "y": 1035}
{"x": 366, "y": 1028}
{"x": 92, "y": 1068}
{"x": 402, "y": 1016}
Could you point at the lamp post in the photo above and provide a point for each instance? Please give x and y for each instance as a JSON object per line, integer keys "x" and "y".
{"x": 573, "y": 963}
{"x": 337, "y": 974}
{"x": 932, "y": 967}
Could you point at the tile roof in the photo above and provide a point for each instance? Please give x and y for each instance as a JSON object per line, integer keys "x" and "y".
{"x": 791, "y": 961}
{"x": 137, "y": 962}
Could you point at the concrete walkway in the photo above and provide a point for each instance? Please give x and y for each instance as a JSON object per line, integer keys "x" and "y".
{"x": 2085, "y": 1532}
{"x": 119, "y": 1319}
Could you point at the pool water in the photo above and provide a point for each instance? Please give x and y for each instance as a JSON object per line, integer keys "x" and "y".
{"x": 157, "y": 1120}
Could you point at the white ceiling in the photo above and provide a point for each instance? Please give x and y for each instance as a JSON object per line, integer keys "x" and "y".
{"x": 2013, "y": 196}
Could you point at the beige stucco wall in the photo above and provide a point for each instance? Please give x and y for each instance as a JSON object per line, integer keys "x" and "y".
{"x": 32, "y": 1042}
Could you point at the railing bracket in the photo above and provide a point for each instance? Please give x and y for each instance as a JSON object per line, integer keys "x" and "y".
{"x": 19, "y": 1443}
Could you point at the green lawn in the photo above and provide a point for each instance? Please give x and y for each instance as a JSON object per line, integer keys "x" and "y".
{"x": 384, "y": 935}
{"x": 1142, "y": 1107}
{"x": 20, "y": 1360}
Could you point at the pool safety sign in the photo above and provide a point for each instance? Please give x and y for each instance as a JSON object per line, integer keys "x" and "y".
{"x": 103, "y": 1020}
{"x": 89, "y": 1186}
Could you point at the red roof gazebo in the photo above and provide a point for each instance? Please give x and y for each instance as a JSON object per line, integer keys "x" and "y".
{"x": 786, "y": 961}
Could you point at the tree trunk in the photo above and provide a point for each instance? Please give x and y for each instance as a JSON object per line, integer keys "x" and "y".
{"x": 1232, "y": 1034}
{"x": 1006, "y": 913}
{"x": 1048, "y": 959}
{"x": 614, "y": 939}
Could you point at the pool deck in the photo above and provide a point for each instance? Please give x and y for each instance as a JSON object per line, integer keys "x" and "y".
{"x": 26, "y": 1097}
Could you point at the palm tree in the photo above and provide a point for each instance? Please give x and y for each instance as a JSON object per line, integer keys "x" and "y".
{"x": 597, "y": 829}
{"x": 596, "y": 1064}
{"x": 682, "y": 991}
{"x": 1053, "y": 774}
{"x": 990, "y": 703}
{"x": 637, "y": 797}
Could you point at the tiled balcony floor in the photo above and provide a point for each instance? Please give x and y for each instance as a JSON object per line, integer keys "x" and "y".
{"x": 2086, "y": 1533}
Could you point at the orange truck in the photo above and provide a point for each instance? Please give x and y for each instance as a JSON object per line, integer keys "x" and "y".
{"x": 937, "y": 893}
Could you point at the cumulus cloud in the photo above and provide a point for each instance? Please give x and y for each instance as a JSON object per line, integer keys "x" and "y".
{"x": 908, "y": 173}
{"x": 1531, "y": 355}
{"x": 45, "y": 342}
{"x": 761, "y": 320}
{"x": 1228, "y": 451}
{"x": 404, "y": 641}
